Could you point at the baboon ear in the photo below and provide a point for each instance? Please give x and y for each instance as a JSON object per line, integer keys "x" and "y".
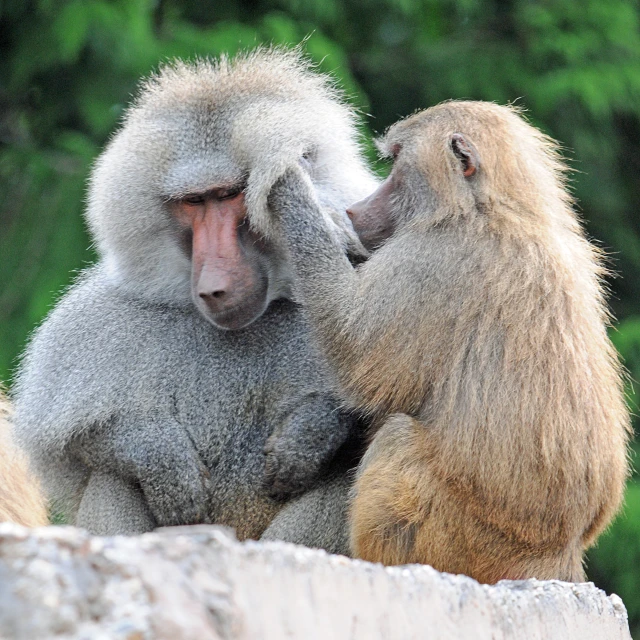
{"x": 466, "y": 153}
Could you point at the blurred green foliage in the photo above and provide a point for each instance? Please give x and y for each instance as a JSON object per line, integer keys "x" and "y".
{"x": 68, "y": 68}
{"x": 614, "y": 564}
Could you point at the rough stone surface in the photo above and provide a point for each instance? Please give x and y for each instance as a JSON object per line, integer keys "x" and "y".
{"x": 200, "y": 583}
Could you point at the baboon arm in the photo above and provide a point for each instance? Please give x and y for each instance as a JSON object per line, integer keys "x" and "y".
{"x": 356, "y": 314}
{"x": 328, "y": 286}
{"x": 305, "y": 442}
{"x": 326, "y": 279}
{"x": 155, "y": 454}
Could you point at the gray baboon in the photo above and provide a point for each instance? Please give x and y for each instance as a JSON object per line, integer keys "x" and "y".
{"x": 480, "y": 322}
{"x": 152, "y": 392}
{"x": 20, "y": 498}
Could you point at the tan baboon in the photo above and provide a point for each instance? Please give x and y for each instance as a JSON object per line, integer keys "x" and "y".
{"x": 480, "y": 322}
{"x": 20, "y": 497}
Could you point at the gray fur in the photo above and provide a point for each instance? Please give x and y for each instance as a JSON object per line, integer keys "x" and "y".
{"x": 317, "y": 518}
{"x": 136, "y": 411}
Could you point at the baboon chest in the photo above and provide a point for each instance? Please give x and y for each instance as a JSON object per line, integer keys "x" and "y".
{"x": 231, "y": 397}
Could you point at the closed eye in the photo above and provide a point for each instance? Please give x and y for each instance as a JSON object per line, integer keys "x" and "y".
{"x": 193, "y": 199}
{"x": 228, "y": 194}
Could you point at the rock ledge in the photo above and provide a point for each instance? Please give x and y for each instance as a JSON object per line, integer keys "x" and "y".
{"x": 199, "y": 583}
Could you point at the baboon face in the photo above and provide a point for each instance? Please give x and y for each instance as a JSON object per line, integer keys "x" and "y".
{"x": 372, "y": 218}
{"x": 230, "y": 262}
{"x": 415, "y": 179}
{"x": 178, "y": 200}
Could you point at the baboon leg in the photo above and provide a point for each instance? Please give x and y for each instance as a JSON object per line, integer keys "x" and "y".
{"x": 564, "y": 564}
{"x": 318, "y": 518}
{"x": 402, "y": 512}
{"x": 112, "y": 506}
{"x": 397, "y": 511}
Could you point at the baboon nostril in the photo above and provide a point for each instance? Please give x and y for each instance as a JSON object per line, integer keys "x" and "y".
{"x": 220, "y": 293}
{"x": 350, "y": 213}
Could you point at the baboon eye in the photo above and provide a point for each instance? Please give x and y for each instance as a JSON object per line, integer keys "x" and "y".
{"x": 193, "y": 199}
{"x": 228, "y": 194}
{"x": 395, "y": 150}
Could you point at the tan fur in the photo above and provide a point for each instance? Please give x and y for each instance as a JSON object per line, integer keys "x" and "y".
{"x": 20, "y": 498}
{"x": 481, "y": 322}
{"x": 488, "y": 329}
{"x": 476, "y": 336}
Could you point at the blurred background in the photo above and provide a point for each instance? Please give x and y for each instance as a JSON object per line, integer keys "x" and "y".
{"x": 68, "y": 68}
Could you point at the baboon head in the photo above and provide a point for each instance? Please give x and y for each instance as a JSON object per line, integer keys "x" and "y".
{"x": 177, "y": 203}
{"x": 458, "y": 160}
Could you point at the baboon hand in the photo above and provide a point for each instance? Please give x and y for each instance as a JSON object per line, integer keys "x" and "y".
{"x": 292, "y": 191}
{"x": 158, "y": 455}
{"x": 179, "y": 495}
{"x": 298, "y": 452}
